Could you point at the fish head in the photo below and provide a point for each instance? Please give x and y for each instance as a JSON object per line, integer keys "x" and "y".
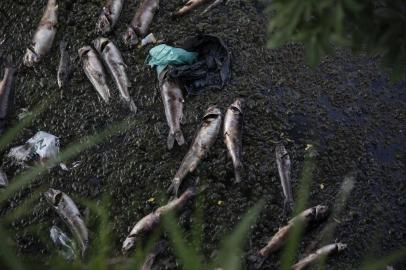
{"x": 130, "y": 37}
{"x": 103, "y": 25}
{"x": 213, "y": 112}
{"x": 129, "y": 244}
{"x": 239, "y": 104}
{"x": 341, "y": 247}
{"x": 100, "y": 43}
{"x": 84, "y": 50}
{"x": 53, "y": 196}
{"x": 30, "y": 58}
{"x": 321, "y": 212}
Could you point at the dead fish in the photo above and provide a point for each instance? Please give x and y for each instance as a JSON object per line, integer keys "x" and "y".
{"x": 150, "y": 259}
{"x": 283, "y": 163}
{"x": 205, "y": 138}
{"x": 190, "y": 5}
{"x": 148, "y": 223}
{"x": 6, "y": 89}
{"x": 65, "y": 69}
{"x": 44, "y": 35}
{"x": 325, "y": 251}
{"x": 94, "y": 71}
{"x": 115, "y": 63}
{"x": 307, "y": 218}
{"x": 172, "y": 98}
{"x": 213, "y": 5}
{"x": 109, "y": 16}
{"x": 233, "y": 124}
{"x": 65, "y": 246}
{"x": 3, "y": 179}
{"x": 140, "y": 23}
{"x": 69, "y": 212}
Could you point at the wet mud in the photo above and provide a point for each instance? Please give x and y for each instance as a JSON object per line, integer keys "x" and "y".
{"x": 346, "y": 106}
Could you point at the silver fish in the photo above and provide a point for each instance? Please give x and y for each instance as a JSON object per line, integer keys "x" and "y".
{"x": 283, "y": 163}
{"x": 3, "y": 179}
{"x": 6, "y": 89}
{"x": 115, "y": 63}
{"x": 319, "y": 254}
{"x": 172, "y": 98}
{"x": 65, "y": 69}
{"x": 205, "y": 138}
{"x": 66, "y": 247}
{"x": 69, "y": 212}
{"x": 140, "y": 23}
{"x": 109, "y": 16}
{"x": 150, "y": 259}
{"x": 148, "y": 223}
{"x": 305, "y": 219}
{"x": 44, "y": 35}
{"x": 94, "y": 71}
{"x": 233, "y": 124}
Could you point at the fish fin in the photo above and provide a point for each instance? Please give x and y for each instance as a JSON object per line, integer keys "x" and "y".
{"x": 132, "y": 106}
{"x": 174, "y": 187}
{"x": 171, "y": 140}
{"x": 179, "y": 137}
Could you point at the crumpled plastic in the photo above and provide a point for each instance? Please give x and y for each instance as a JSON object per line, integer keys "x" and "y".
{"x": 211, "y": 71}
{"x": 43, "y": 145}
{"x": 163, "y": 55}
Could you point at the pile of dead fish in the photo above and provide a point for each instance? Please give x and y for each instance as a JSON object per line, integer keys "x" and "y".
{"x": 213, "y": 58}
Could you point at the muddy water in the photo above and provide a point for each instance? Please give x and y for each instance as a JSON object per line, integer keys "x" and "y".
{"x": 346, "y": 106}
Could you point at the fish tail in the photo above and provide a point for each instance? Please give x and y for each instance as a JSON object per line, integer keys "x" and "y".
{"x": 238, "y": 170}
{"x": 171, "y": 140}
{"x": 132, "y": 106}
{"x": 179, "y": 137}
{"x": 63, "y": 44}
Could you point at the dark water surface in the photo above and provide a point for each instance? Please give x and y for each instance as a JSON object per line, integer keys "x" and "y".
{"x": 346, "y": 106}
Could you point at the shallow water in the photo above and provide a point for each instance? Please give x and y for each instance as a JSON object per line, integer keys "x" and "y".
{"x": 346, "y": 106}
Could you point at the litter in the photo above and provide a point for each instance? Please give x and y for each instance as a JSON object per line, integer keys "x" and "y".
{"x": 148, "y": 40}
{"x": 163, "y": 55}
{"x": 43, "y": 145}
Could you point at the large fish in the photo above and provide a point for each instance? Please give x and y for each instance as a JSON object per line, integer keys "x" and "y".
{"x": 140, "y": 23}
{"x": 109, "y": 16}
{"x": 283, "y": 163}
{"x": 44, "y": 35}
{"x": 306, "y": 219}
{"x": 172, "y": 98}
{"x": 65, "y": 246}
{"x": 189, "y": 6}
{"x": 233, "y": 124}
{"x": 94, "y": 71}
{"x": 6, "y": 89}
{"x": 148, "y": 223}
{"x": 69, "y": 212}
{"x": 65, "y": 69}
{"x": 205, "y": 138}
{"x": 319, "y": 254}
{"x": 115, "y": 63}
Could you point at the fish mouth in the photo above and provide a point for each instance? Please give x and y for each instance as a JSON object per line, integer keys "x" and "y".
{"x": 128, "y": 244}
{"x": 212, "y": 112}
{"x": 84, "y": 50}
{"x": 321, "y": 211}
{"x": 100, "y": 44}
{"x": 53, "y": 196}
{"x": 238, "y": 104}
{"x": 31, "y": 57}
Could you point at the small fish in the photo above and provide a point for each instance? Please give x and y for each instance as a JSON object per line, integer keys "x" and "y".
{"x": 233, "y": 124}
{"x": 3, "y": 179}
{"x": 94, "y": 71}
{"x": 213, "y": 5}
{"x": 115, "y": 63}
{"x": 6, "y": 89}
{"x": 69, "y": 212}
{"x": 205, "y": 138}
{"x": 283, "y": 163}
{"x": 172, "y": 98}
{"x": 109, "y": 16}
{"x": 148, "y": 223}
{"x": 44, "y": 35}
{"x": 189, "y": 6}
{"x": 140, "y": 23}
{"x": 307, "y": 218}
{"x": 323, "y": 252}
{"x": 150, "y": 259}
{"x": 65, "y": 245}
{"x": 65, "y": 69}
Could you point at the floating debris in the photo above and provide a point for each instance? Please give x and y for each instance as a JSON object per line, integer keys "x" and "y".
{"x": 69, "y": 212}
{"x": 205, "y": 138}
{"x": 150, "y": 39}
